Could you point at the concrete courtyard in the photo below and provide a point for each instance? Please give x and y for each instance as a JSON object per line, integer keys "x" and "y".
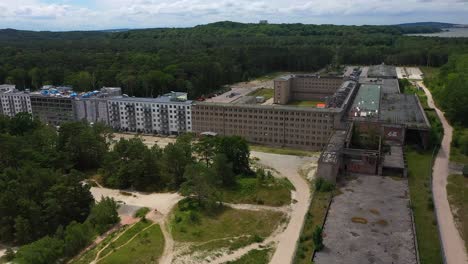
{"x": 369, "y": 222}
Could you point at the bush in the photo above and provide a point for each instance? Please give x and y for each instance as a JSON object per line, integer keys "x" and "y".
{"x": 141, "y": 213}
{"x": 323, "y": 185}
{"x": 317, "y": 238}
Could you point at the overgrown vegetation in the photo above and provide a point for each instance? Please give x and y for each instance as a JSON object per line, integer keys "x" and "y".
{"x": 457, "y": 191}
{"x": 310, "y": 239}
{"x": 267, "y": 93}
{"x": 256, "y": 256}
{"x": 419, "y": 178}
{"x": 282, "y": 151}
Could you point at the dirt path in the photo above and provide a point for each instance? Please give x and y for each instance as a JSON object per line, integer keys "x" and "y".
{"x": 289, "y": 166}
{"x": 453, "y": 244}
{"x": 255, "y": 207}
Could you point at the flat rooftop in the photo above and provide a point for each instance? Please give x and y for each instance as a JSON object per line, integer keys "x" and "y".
{"x": 334, "y": 147}
{"x": 367, "y": 101}
{"x": 403, "y": 109}
{"x": 382, "y": 71}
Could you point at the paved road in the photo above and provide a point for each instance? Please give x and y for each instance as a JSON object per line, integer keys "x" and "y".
{"x": 454, "y": 246}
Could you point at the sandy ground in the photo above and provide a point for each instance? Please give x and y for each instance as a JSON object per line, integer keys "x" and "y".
{"x": 453, "y": 244}
{"x": 387, "y": 237}
{"x": 149, "y": 140}
{"x": 412, "y": 73}
{"x": 163, "y": 202}
{"x": 289, "y": 166}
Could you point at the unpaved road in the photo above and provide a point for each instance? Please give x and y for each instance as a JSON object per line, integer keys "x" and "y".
{"x": 288, "y": 166}
{"x": 453, "y": 244}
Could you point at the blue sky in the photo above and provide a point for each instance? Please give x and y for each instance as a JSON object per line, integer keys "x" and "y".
{"x": 111, "y": 14}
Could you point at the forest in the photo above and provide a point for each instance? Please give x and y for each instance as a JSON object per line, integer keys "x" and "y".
{"x": 48, "y": 210}
{"x": 201, "y": 59}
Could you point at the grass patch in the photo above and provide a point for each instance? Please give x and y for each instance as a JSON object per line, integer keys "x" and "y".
{"x": 459, "y": 143}
{"x": 274, "y": 192}
{"x": 419, "y": 177}
{"x": 190, "y": 223}
{"x": 306, "y": 103}
{"x": 126, "y": 236}
{"x": 147, "y": 247}
{"x": 265, "y": 92}
{"x": 314, "y": 218}
{"x": 457, "y": 190}
{"x": 89, "y": 255}
{"x": 429, "y": 72}
{"x": 142, "y": 212}
{"x": 256, "y": 256}
{"x": 282, "y": 151}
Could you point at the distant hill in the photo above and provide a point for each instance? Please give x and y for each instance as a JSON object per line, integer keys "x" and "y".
{"x": 427, "y": 24}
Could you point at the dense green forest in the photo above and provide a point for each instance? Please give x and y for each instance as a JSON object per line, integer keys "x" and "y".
{"x": 201, "y": 59}
{"x": 43, "y": 200}
{"x": 46, "y": 204}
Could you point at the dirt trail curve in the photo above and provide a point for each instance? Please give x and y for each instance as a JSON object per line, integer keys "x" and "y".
{"x": 288, "y": 166}
{"x": 453, "y": 244}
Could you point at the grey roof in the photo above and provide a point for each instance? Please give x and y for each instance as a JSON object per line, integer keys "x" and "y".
{"x": 389, "y": 86}
{"x": 272, "y": 107}
{"x": 403, "y": 109}
{"x": 333, "y": 149}
{"x": 161, "y": 99}
{"x": 382, "y": 71}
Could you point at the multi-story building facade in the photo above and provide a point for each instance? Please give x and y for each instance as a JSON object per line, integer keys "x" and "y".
{"x": 52, "y": 110}
{"x": 300, "y": 87}
{"x": 13, "y": 102}
{"x": 278, "y": 125}
{"x": 92, "y": 107}
{"x": 169, "y": 114}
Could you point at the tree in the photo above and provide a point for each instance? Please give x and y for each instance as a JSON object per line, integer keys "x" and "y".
{"x": 177, "y": 156}
{"x": 205, "y": 149}
{"x": 237, "y": 152}
{"x": 199, "y": 182}
{"x": 104, "y": 215}
{"x": 81, "y": 81}
{"x": 43, "y": 251}
{"x": 77, "y": 236}
{"x": 222, "y": 168}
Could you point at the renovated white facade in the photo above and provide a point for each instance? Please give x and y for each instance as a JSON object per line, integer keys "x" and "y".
{"x": 162, "y": 115}
{"x": 13, "y": 102}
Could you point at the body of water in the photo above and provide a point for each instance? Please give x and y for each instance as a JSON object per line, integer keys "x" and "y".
{"x": 451, "y": 33}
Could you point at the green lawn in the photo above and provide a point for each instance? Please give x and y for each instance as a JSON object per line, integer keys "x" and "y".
{"x": 256, "y": 256}
{"x": 314, "y": 217}
{"x": 273, "y": 192}
{"x": 90, "y": 255}
{"x": 457, "y": 190}
{"x": 265, "y": 92}
{"x": 419, "y": 177}
{"x": 226, "y": 227}
{"x": 282, "y": 151}
{"x": 147, "y": 247}
{"x": 135, "y": 229}
{"x": 306, "y": 103}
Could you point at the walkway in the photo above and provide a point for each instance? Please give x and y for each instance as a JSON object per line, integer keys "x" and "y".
{"x": 453, "y": 244}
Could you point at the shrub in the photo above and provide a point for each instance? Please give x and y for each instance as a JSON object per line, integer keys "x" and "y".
{"x": 323, "y": 185}
{"x": 317, "y": 238}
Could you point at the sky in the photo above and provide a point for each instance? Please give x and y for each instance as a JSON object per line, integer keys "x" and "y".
{"x": 61, "y": 15}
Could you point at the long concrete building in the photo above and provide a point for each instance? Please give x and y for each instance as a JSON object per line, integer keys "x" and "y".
{"x": 277, "y": 125}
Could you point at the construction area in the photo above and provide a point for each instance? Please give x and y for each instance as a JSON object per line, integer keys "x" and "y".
{"x": 369, "y": 222}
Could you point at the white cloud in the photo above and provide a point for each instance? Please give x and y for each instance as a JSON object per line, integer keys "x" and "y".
{"x": 73, "y": 14}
